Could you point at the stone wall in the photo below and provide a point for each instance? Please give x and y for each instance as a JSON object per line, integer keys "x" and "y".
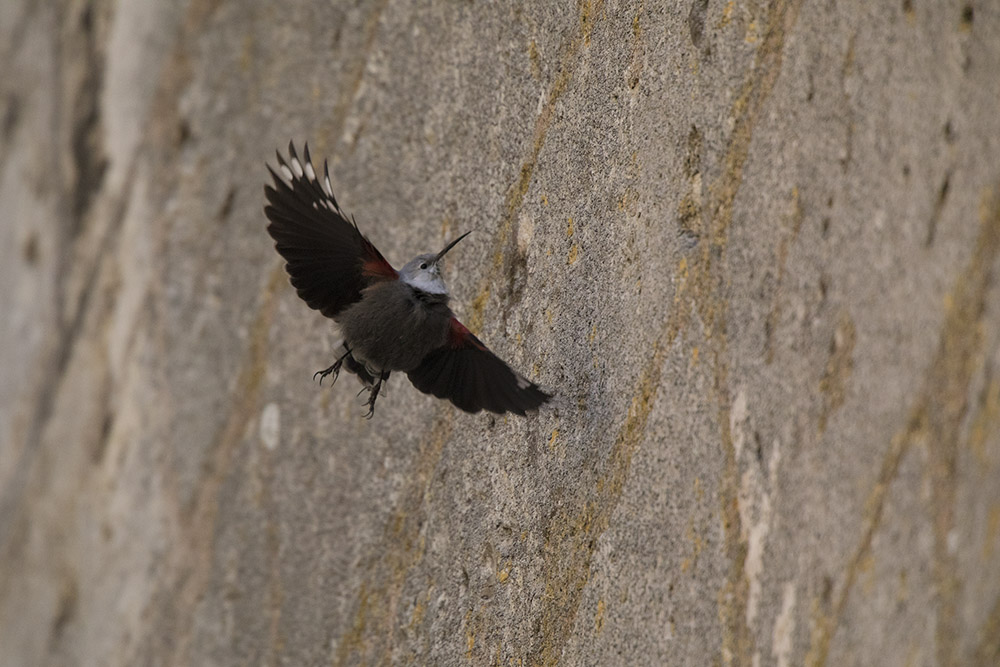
{"x": 753, "y": 248}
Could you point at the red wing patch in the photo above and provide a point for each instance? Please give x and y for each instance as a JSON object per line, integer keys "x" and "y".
{"x": 459, "y": 336}
{"x": 378, "y": 268}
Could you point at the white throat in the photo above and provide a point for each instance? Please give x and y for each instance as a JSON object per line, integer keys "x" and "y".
{"x": 427, "y": 283}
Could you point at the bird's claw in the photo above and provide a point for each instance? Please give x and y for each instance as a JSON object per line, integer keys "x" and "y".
{"x": 371, "y": 404}
{"x": 335, "y": 370}
{"x": 373, "y": 391}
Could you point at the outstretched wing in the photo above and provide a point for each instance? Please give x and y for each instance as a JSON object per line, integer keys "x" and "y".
{"x": 466, "y": 373}
{"x": 328, "y": 259}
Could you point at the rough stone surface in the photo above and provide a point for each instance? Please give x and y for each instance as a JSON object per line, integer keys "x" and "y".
{"x": 753, "y": 247}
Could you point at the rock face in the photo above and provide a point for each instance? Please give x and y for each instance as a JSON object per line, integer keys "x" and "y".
{"x": 752, "y": 246}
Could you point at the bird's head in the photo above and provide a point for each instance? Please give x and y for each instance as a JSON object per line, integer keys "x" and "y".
{"x": 424, "y": 272}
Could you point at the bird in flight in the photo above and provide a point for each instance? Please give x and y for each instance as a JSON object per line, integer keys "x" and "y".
{"x": 390, "y": 320}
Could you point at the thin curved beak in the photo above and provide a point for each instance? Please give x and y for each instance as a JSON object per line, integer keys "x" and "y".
{"x": 450, "y": 246}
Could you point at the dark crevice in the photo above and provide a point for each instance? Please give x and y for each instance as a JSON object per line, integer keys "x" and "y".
{"x": 86, "y": 143}
{"x": 938, "y": 208}
{"x": 227, "y": 205}
{"x": 30, "y": 249}
{"x": 692, "y": 157}
{"x": 90, "y": 163}
{"x": 949, "y": 132}
{"x": 183, "y": 132}
{"x": 101, "y": 444}
{"x": 68, "y": 602}
{"x": 696, "y": 21}
{"x": 968, "y": 13}
{"x": 11, "y": 117}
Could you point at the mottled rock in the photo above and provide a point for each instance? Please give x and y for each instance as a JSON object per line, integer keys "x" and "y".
{"x": 752, "y": 246}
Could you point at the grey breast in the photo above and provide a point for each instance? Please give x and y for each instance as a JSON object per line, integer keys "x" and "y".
{"x": 392, "y": 329}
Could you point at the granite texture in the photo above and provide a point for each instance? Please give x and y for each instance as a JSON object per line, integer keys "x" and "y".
{"x": 753, "y": 247}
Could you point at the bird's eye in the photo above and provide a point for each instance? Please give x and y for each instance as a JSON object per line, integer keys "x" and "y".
{"x": 424, "y": 265}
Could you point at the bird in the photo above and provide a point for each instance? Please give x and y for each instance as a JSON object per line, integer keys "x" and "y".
{"x": 391, "y": 321}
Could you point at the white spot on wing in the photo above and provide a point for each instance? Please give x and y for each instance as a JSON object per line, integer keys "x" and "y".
{"x": 329, "y": 187}
{"x": 297, "y": 167}
{"x": 522, "y": 383}
{"x": 310, "y": 172}
{"x": 286, "y": 172}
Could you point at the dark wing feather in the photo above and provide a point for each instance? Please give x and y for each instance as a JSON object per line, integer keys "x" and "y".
{"x": 328, "y": 260}
{"x": 465, "y": 372}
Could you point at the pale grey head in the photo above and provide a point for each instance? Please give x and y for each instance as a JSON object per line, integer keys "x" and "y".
{"x": 424, "y": 272}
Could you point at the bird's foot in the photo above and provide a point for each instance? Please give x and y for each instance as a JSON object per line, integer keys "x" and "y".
{"x": 373, "y": 394}
{"x": 334, "y": 369}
